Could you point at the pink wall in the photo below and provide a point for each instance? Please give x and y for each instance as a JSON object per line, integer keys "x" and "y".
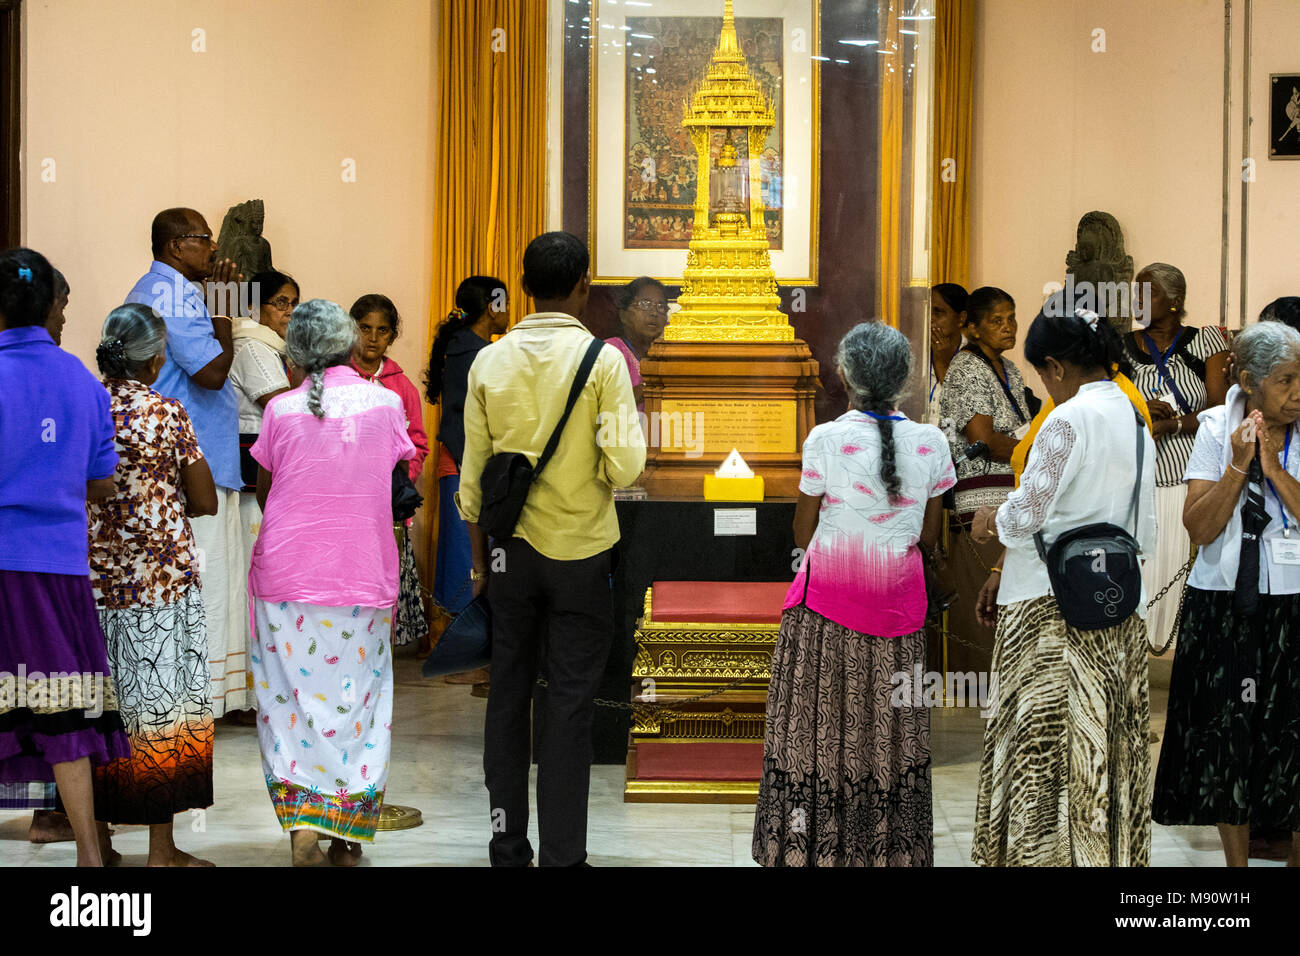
{"x": 136, "y": 121}
{"x": 1136, "y": 131}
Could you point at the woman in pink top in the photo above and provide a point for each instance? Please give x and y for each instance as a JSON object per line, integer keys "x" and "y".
{"x": 322, "y": 586}
{"x": 377, "y": 326}
{"x": 642, "y": 318}
{"x": 846, "y": 754}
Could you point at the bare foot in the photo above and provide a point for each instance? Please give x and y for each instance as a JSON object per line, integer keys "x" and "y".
{"x": 179, "y": 858}
{"x": 343, "y": 853}
{"x": 305, "y": 850}
{"x": 107, "y": 854}
{"x": 49, "y": 826}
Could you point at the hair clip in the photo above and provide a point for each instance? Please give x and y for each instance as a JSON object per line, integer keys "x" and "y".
{"x": 25, "y": 273}
{"x": 1089, "y": 316}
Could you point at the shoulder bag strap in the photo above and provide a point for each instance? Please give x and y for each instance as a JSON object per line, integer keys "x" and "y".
{"x": 1137, "y": 482}
{"x": 579, "y": 380}
{"x": 1184, "y": 350}
{"x": 1137, "y": 488}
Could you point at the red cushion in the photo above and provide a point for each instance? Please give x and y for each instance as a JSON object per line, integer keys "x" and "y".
{"x": 714, "y": 602}
{"x": 656, "y": 760}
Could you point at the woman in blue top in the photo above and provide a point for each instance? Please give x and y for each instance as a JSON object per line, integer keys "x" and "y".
{"x": 480, "y": 313}
{"x": 57, "y": 434}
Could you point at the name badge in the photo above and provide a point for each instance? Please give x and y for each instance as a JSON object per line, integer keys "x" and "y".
{"x": 1169, "y": 399}
{"x": 1021, "y": 432}
{"x": 1286, "y": 550}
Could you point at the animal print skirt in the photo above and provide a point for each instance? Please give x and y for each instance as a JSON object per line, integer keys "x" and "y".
{"x": 1066, "y": 774}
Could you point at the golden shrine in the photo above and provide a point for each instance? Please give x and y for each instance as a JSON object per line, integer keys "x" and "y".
{"x": 729, "y": 368}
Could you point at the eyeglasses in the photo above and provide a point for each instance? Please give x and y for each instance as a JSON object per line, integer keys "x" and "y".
{"x": 283, "y": 303}
{"x": 648, "y": 305}
{"x": 205, "y": 236}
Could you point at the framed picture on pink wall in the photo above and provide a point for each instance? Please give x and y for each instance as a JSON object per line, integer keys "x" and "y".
{"x": 1284, "y": 116}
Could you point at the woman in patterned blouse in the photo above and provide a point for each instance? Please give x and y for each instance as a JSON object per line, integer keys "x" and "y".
{"x": 984, "y": 400}
{"x": 146, "y": 582}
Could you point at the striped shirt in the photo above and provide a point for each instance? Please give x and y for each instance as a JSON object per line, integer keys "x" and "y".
{"x": 1173, "y": 451}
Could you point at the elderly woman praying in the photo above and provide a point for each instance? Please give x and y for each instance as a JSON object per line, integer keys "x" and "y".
{"x": 1231, "y": 747}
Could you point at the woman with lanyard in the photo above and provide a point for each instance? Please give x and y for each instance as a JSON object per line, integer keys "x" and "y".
{"x": 947, "y": 316}
{"x": 985, "y": 400}
{"x": 1180, "y": 371}
{"x": 1231, "y": 750}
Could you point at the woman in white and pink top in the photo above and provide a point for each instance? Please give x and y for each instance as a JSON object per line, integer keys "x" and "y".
{"x": 323, "y": 583}
{"x": 846, "y": 756}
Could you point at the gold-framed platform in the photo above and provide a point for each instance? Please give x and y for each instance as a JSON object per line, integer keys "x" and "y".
{"x": 707, "y": 750}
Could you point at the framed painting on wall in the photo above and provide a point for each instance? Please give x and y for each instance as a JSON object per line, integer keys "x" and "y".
{"x": 646, "y": 60}
{"x": 1284, "y": 116}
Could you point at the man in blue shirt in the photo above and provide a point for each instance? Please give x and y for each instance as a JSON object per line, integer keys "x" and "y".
{"x": 199, "y": 353}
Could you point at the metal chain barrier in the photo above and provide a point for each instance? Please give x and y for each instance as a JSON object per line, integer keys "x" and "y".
{"x": 649, "y": 708}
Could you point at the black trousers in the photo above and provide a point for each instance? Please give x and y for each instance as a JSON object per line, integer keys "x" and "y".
{"x": 568, "y": 606}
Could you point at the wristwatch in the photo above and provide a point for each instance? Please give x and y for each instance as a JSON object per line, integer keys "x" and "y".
{"x": 477, "y": 575}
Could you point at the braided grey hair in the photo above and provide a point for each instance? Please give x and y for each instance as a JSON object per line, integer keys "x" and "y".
{"x": 875, "y": 361}
{"x": 320, "y": 335}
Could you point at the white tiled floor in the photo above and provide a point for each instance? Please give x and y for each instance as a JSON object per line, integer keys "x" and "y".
{"x": 437, "y": 767}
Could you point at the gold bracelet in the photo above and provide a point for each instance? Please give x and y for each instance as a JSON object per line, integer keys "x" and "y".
{"x": 998, "y": 570}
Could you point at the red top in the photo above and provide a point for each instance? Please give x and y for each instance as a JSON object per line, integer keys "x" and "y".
{"x": 394, "y": 379}
{"x": 722, "y": 602}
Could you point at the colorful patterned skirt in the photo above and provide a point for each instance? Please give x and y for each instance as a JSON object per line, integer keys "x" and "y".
{"x": 411, "y": 622}
{"x": 58, "y": 702}
{"x": 27, "y": 796}
{"x": 846, "y": 774}
{"x": 1067, "y": 761}
{"x": 1231, "y": 750}
{"x": 324, "y": 682}
{"x": 159, "y": 657}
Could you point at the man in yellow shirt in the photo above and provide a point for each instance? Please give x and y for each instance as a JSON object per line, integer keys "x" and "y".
{"x": 551, "y": 581}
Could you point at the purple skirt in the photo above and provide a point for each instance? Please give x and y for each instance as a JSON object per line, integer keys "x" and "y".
{"x": 57, "y": 699}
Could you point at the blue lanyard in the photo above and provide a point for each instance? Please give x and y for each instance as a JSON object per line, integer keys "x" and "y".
{"x": 898, "y": 418}
{"x": 1004, "y": 380}
{"x": 934, "y": 379}
{"x": 1162, "y": 362}
{"x": 1286, "y": 453}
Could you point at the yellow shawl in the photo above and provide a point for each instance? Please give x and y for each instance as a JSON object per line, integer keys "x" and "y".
{"x": 1021, "y": 454}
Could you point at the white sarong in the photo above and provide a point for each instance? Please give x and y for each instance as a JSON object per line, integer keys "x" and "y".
{"x": 324, "y": 683}
{"x": 223, "y": 575}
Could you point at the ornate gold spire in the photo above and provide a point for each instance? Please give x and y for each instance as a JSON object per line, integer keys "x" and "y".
{"x": 729, "y": 288}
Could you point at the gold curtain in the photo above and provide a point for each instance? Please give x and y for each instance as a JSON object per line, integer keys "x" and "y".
{"x": 889, "y": 237}
{"x": 490, "y": 189}
{"x": 954, "y": 55}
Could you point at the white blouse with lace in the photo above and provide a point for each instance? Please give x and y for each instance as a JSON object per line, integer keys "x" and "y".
{"x": 1080, "y": 471}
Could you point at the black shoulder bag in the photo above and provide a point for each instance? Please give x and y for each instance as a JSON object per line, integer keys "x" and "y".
{"x": 1094, "y": 570}
{"x": 508, "y": 476}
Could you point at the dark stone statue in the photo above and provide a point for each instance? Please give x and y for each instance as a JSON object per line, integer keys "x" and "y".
{"x": 1098, "y": 258}
{"x": 241, "y": 238}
